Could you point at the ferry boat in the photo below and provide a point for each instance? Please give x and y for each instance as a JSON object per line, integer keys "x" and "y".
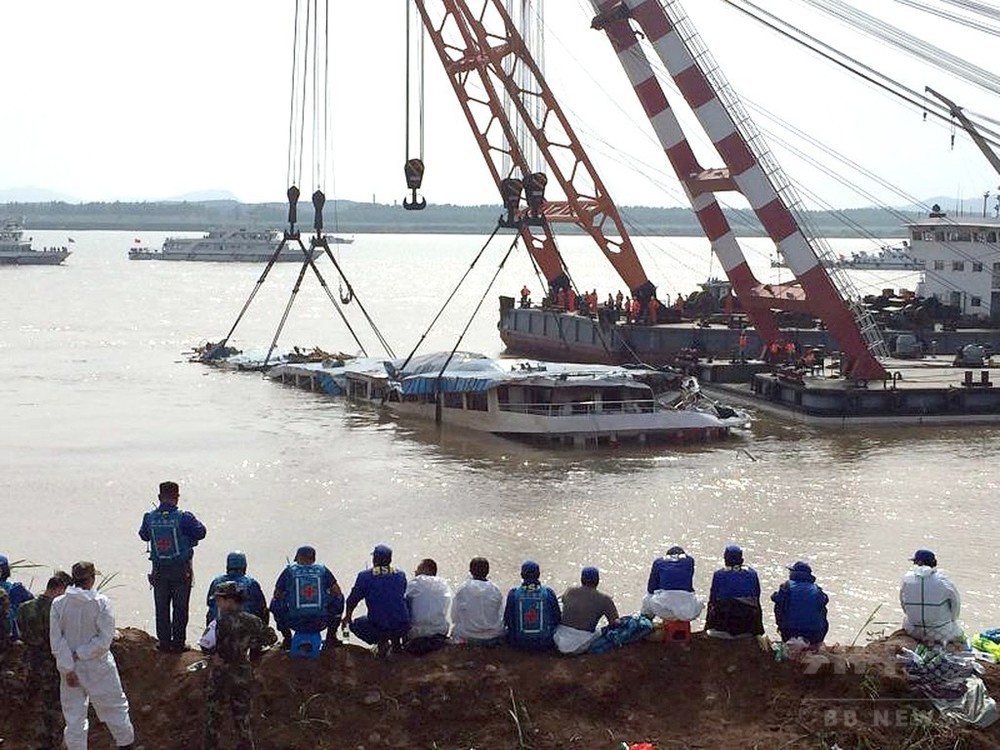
{"x": 17, "y": 251}
{"x": 231, "y": 246}
{"x": 539, "y": 402}
{"x": 888, "y": 258}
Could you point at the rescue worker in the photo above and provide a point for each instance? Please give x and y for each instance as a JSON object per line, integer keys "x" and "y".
{"x": 532, "y": 612}
{"x": 172, "y": 535}
{"x": 930, "y": 601}
{"x": 744, "y": 342}
{"x": 525, "y": 296}
{"x": 670, "y": 588}
{"x": 43, "y": 677}
{"x": 561, "y": 298}
{"x": 239, "y": 639}
{"x": 428, "y": 599}
{"x": 81, "y": 628}
{"x": 619, "y": 298}
{"x": 654, "y": 311}
{"x": 383, "y": 590}
{"x": 477, "y": 609}
{"x": 583, "y": 607}
{"x": 16, "y": 595}
{"x": 734, "y": 601}
{"x": 307, "y": 599}
{"x": 800, "y": 606}
{"x": 253, "y": 596}
{"x": 572, "y": 301}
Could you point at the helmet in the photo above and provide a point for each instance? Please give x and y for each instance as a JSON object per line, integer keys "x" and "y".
{"x": 4, "y": 567}
{"x": 733, "y": 555}
{"x": 530, "y": 571}
{"x": 924, "y": 557}
{"x": 228, "y": 590}
{"x": 382, "y": 555}
{"x": 236, "y": 562}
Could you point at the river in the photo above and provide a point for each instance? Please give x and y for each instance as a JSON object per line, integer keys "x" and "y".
{"x": 98, "y": 406}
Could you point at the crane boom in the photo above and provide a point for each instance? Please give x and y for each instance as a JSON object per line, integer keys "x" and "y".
{"x": 488, "y": 63}
{"x": 969, "y": 127}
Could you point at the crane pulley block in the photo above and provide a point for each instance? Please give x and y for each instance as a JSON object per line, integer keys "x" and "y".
{"x": 414, "y": 171}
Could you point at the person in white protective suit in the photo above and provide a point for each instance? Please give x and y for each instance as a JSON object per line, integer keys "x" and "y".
{"x": 81, "y": 628}
{"x": 477, "y": 610}
{"x": 930, "y": 601}
{"x": 428, "y": 598}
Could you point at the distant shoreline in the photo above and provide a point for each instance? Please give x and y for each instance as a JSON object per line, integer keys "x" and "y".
{"x": 349, "y": 217}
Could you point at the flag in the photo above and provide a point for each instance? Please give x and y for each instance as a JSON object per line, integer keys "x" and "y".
{"x": 70, "y": 240}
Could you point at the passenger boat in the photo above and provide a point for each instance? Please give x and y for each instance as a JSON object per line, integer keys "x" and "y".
{"x": 17, "y": 251}
{"x": 234, "y": 246}
{"x": 541, "y": 402}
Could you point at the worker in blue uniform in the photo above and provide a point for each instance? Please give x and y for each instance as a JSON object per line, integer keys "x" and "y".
{"x": 253, "y": 596}
{"x": 307, "y": 598}
{"x": 383, "y": 590}
{"x": 734, "y": 601}
{"x": 800, "y": 606}
{"x": 16, "y": 595}
{"x": 532, "y": 612}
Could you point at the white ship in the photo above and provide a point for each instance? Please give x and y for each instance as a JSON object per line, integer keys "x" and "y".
{"x": 547, "y": 402}
{"x": 17, "y": 251}
{"x": 233, "y": 246}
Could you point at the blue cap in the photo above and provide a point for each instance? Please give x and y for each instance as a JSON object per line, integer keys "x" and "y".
{"x": 4, "y": 566}
{"x": 236, "y": 562}
{"x": 590, "y": 576}
{"x": 801, "y": 566}
{"x": 382, "y": 554}
{"x": 530, "y": 571}
{"x": 924, "y": 557}
{"x": 733, "y": 555}
{"x": 306, "y": 551}
{"x": 676, "y": 550}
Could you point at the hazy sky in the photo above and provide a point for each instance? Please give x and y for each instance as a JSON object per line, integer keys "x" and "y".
{"x": 146, "y": 100}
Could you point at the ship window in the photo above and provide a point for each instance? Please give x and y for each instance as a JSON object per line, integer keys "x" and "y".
{"x": 991, "y": 237}
{"x": 958, "y": 265}
{"x": 939, "y": 265}
{"x": 976, "y": 302}
{"x": 928, "y": 236}
{"x": 956, "y": 299}
{"x": 477, "y": 402}
{"x": 977, "y": 267}
{"x": 916, "y": 234}
{"x": 965, "y": 236}
{"x": 452, "y": 400}
{"x": 939, "y": 236}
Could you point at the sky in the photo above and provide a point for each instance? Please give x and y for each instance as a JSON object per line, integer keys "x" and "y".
{"x": 126, "y": 100}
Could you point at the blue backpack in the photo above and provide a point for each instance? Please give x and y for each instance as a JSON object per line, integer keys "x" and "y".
{"x": 531, "y": 612}
{"x": 7, "y": 628}
{"x": 306, "y": 593}
{"x": 167, "y": 544}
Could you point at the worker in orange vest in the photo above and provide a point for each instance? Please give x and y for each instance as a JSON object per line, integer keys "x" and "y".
{"x": 743, "y": 345}
{"x": 525, "y": 296}
{"x": 654, "y": 311}
{"x": 790, "y": 351}
{"x": 571, "y": 300}
{"x": 561, "y": 298}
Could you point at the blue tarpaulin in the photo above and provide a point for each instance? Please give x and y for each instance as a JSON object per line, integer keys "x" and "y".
{"x": 428, "y": 385}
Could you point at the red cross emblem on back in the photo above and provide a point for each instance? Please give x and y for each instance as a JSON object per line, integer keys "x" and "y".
{"x": 308, "y": 592}
{"x": 164, "y": 545}
{"x": 531, "y": 616}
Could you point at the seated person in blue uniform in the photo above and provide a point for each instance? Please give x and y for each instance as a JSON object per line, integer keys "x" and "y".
{"x": 16, "y": 595}
{"x": 383, "y": 590}
{"x": 670, "y": 588}
{"x": 253, "y": 596}
{"x": 307, "y": 598}
{"x": 800, "y": 606}
{"x": 532, "y": 612}
{"x": 734, "y": 602}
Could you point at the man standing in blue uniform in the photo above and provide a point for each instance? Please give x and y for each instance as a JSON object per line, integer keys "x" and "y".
{"x": 532, "y": 613}
{"x": 383, "y": 589}
{"x": 307, "y": 598}
{"x": 172, "y": 535}
{"x": 253, "y": 596}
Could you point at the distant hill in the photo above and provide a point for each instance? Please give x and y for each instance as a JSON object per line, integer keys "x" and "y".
{"x": 203, "y": 196}
{"x": 350, "y": 217}
{"x": 34, "y": 195}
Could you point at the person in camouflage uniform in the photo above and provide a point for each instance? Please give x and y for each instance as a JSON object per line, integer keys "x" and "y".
{"x": 234, "y": 644}
{"x": 43, "y": 677}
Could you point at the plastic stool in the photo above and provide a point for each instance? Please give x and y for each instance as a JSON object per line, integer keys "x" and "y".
{"x": 676, "y": 631}
{"x": 306, "y": 646}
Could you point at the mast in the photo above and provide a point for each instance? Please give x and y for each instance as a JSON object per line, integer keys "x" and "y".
{"x": 750, "y": 169}
{"x": 490, "y": 65}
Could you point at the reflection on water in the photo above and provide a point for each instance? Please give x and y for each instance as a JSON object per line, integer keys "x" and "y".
{"x": 98, "y": 407}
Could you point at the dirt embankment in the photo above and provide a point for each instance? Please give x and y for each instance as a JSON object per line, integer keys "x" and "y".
{"x": 705, "y": 694}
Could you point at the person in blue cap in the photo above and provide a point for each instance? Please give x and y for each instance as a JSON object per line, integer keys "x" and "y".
{"x": 930, "y": 601}
{"x": 583, "y": 607}
{"x": 12, "y": 596}
{"x": 800, "y": 606}
{"x": 307, "y": 598}
{"x": 383, "y": 590}
{"x": 532, "y": 612}
{"x": 253, "y": 596}
{"x": 172, "y": 535}
{"x": 670, "y": 588}
{"x": 734, "y": 601}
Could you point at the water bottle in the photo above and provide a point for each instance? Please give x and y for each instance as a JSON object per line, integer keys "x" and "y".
{"x": 345, "y": 632}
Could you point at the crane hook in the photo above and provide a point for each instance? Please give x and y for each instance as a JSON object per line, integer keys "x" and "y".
{"x": 414, "y": 171}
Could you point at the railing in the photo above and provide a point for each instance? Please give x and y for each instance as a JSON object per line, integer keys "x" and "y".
{"x": 583, "y": 408}
{"x": 782, "y": 186}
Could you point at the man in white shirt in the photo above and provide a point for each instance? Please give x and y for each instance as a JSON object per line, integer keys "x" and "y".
{"x": 477, "y": 612}
{"x": 428, "y": 598}
{"x": 930, "y": 601}
{"x": 81, "y": 628}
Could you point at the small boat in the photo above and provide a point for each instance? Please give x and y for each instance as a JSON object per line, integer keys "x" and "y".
{"x": 17, "y": 251}
{"x": 235, "y": 246}
{"x": 546, "y": 402}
